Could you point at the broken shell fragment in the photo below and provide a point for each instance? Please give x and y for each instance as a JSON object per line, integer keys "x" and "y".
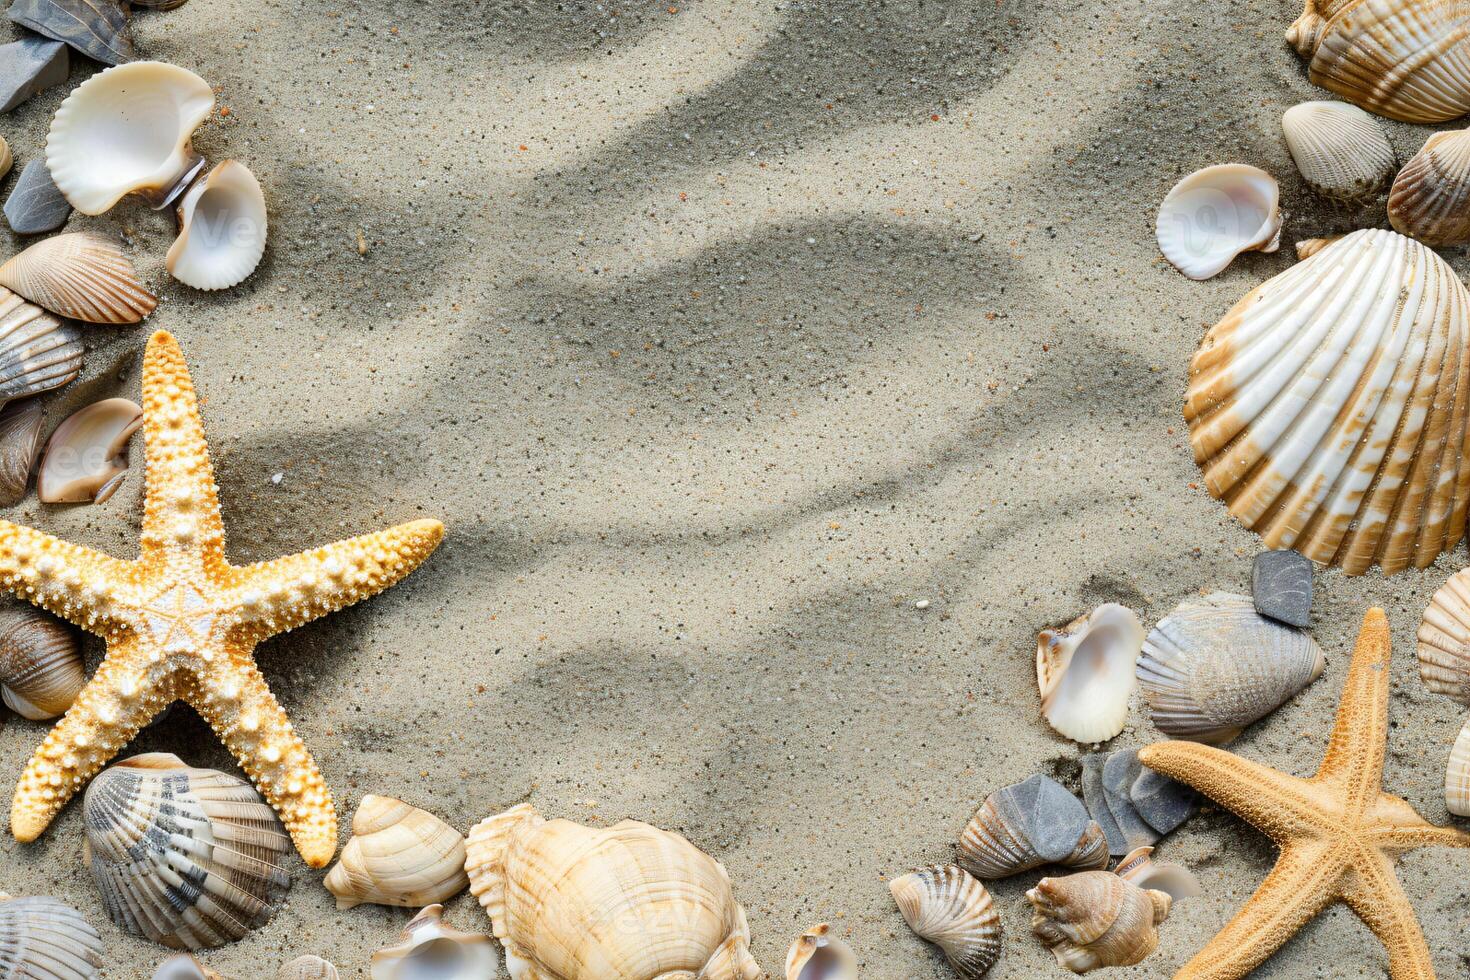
{"x": 398, "y": 855}
{"x": 20, "y": 444}
{"x": 79, "y": 275}
{"x": 86, "y": 457}
{"x": 1342, "y": 152}
{"x": 1308, "y": 247}
{"x": 41, "y": 670}
{"x": 35, "y": 205}
{"x": 819, "y": 955}
{"x": 434, "y": 950}
{"x": 44, "y": 938}
{"x": 1214, "y": 214}
{"x": 308, "y": 968}
{"x": 37, "y": 351}
{"x": 946, "y": 906}
{"x": 1096, "y": 919}
{"x": 1027, "y": 825}
{"x": 1444, "y": 639}
{"x": 1085, "y": 672}
{"x": 223, "y": 229}
{"x": 1430, "y": 199}
{"x": 1174, "y": 880}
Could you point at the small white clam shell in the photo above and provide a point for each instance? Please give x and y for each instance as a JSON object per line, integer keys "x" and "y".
{"x": 223, "y": 232}
{"x": 86, "y": 457}
{"x": 1085, "y": 673}
{"x": 1444, "y": 639}
{"x": 946, "y": 906}
{"x": 819, "y": 955}
{"x": 433, "y": 950}
{"x": 79, "y": 275}
{"x": 398, "y": 855}
{"x": 1214, "y": 214}
{"x": 1342, "y": 152}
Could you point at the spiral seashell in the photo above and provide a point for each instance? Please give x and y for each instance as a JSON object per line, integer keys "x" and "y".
{"x": 86, "y": 457}
{"x": 1174, "y": 880}
{"x": 547, "y": 884}
{"x": 1027, "y": 825}
{"x": 1212, "y": 667}
{"x": 1342, "y": 152}
{"x": 1444, "y": 639}
{"x": 1214, "y": 214}
{"x": 37, "y": 351}
{"x": 1430, "y": 199}
{"x": 20, "y": 444}
{"x": 190, "y": 858}
{"x": 1329, "y": 408}
{"x": 1085, "y": 672}
{"x": 223, "y": 229}
{"x": 947, "y": 907}
{"x": 432, "y": 950}
{"x": 40, "y": 664}
{"x": 308, "y": 968}
{"x": 819, "y": 955}
{"x": 398, "y": 855}
{"x": 1097, "y": 919}
{"x": 1405, "y": 59}
{"x": 45, "y": 938}
{"x": 79, "y": 275}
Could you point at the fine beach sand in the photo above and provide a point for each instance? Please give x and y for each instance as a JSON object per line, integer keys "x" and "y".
{"x": 718, "y": 338}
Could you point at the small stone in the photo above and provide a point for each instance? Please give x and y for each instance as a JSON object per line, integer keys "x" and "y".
{"x": 1097, "y": 802}
{"x": 1163, "y": 803}
{"x": 922, "y": 604}
{"x": 35, "y": 205}
{"x": 29, "y": 65}
{"x": 1281, "y": 585}
{"x": 1054, "y": 819}
{"x": 1119, "y": 772}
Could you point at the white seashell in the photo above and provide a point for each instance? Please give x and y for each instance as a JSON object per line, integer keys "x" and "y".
{"x": 40, "y": 664}
{"x": 20, "y": 444}
{"x": 44, "y": 938}
{"x": 819, "y": 955}
{"x": 547, "y": 885}
{"x": 1027, "y": 825}
{"x": 432, "y": 950}
{"x": 79, "y": 275}
{"x": 1085, "y": 672}
{"x": 1444, "y": 639}
{"x": 127, "y": 131}
{"x": 398, "y": 855}
{"x": 947, "y": 907}
{"x": 1430, "y": 199}
{"x": 37, "y": 351}
{"x": 184, "y": 967}
{"x": 190, "y": 858}
{"x": 86, "y": 457}
{"x": 1329, "y": 407}
{"x": 1457, "y": 775}
{"x": 1342, "y": 152}
{"x": 1404, "y": 59}
{"x": 223, "y": 224}
{"x": 1214, "y": 214}
{"x": 1174, "y": 880}
{"x": 308, "y": 968}
{"x": 1214, "y": 666}
{"x": 1097, "y": 919}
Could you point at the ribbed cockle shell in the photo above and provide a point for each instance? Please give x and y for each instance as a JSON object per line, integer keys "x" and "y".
{"x": 949, "y": 908}
{"x": 44, "y": 939}
{"x": 1342, "y": 152}
{"x": 40, "y": 663}
{"x": 79, "y": 275}
{"x": 1430, "y": 199}
{"x": 1027, "y": 825}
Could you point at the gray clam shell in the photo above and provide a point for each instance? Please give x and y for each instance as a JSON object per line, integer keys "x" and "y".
{"x": 42, "y": 937}
{"x": 20, "y": 444}
{"x": 1027, "y": 825}
{"x": 38, "y": 352}
{"x": 96, "y": 28}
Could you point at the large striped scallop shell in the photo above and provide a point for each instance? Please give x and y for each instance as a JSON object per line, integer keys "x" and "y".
{"x": 398, "y": 855}
{"x": 44, "y": 939}
{"x": 1342, "y": 152}
{"x": 947, "y": 907}
{"x": 550, "y": 885}
{"x": 1430, "y": 199}
{"x": 79, "y": 275}
{"x": 1027, "y": 825}
{"x": 1404, "y": 59}
{"x": 190, "y": 858}
{"x": 1329, "y": 407}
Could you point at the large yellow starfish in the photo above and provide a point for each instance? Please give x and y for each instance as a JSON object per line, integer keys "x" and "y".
{"x": 1338, "y": 832}
{"x": 181, "y": 623}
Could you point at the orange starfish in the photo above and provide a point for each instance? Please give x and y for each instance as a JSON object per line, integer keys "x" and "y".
{"x": 1339, "y": 833}
{"x": 182, "y": 623}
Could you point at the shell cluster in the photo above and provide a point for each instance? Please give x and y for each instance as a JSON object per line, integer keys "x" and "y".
{"x": 946, "y": 906}
{"x": 1085, "y": 672}
{"x": 1027, "y": 825}
{"x": 398, "y": 855}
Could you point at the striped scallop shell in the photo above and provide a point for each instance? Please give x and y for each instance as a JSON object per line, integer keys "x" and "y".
{"x": 40, "y": 663}
{"x": 1404, "y": 59}
{"x": 82, "y": 276}
{"x": 946, "y": 906}
{"x": 1444, "y": 639}
{"x": 1430, "y": 199}
{"x": 190, "y": 858}
{"x": 1342, "y": 152}
{"x": 44, "y": 938}
{"x": 1457, "y": 775}
{"x": 1329, "y": 407}
{"x": 1027, "y": 825}
{"x": 398, "y": 855}
{"x": 20, "y": 444}
{"x": 37, "y": 351}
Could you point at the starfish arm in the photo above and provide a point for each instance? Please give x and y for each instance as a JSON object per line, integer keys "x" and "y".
{"x": 234, "y": 699}
{"x": 280, "y": 595}
{"x": 1273, "y": 802}
{"x": 76, "y": 583}
{"x": 118, "y": 701}
{"x": 1359, "y": 740}
{"x": 1379, "y": 900}
{"x": 1395, "y": 827}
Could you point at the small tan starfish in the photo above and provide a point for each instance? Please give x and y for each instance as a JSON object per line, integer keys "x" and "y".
{"x": 1338, "y": 832}
{"x": 182, "y": 623}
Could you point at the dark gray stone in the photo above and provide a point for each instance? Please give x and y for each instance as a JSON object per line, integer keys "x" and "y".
{"x": 1054, "y": 819}
{"x": 1119, "y": 772}
{"x": 1097, "y": 802}
{"x": 1163, "y": 803}
{"x": 35, "y": 205}
{"x": 1281, "y": 585}
{"x": 29, "y": 65}
{"x": 96, "y": 28}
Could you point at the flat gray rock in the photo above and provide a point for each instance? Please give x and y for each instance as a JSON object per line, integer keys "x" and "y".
{"x": 29, "y": 65}
{"x": 96, "y": 28}
{"x": 35, "y": 205}
{"x": 1118, "y": 774}
{"x": 1163, "y": 803}
{"x": 1097, "y": 802}
{"x": 1281, "y": 585}
{"x": 1054, "y": 819}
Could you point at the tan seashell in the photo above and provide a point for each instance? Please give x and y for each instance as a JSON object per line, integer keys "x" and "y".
{"x": 1214, "y": 214}
{"x": 308, "y": 968}
{"x": 1342, "y": 152}
{"x": 184, "y": 967}
{"x": 7, "y": 159}
{"x": 1027, "y": 825}
{"x": 45, "y": 938}
{"x": 1457, "y": 775}
{"x": 37, "y": 351}
{"x": 20, "y": 444}
{"x": 1308, "y": 247}
{"x": 1097, "y": 919}
{"x": 432, "y": 950}
{"x": 190, "y": 858}
{"x": 1404, "y": 59}
{"x": 819, "y": 955}
{"x": 79, "y": 275}
{"x": 1430, "y": 199}
{"x": 86, "y": 457}
{"x": 223, "y": 229}
{"x": 1085, "y": 672}
{"x": 1174, "y": 880}
{"x": 1444, "y": 639}
{"x": 40, "y": 664}
{"x": 398, "y": 855}
{"x": 547, "y": 884}
{"x": 1329, "y": 407}
{"x": 947, "y": 907}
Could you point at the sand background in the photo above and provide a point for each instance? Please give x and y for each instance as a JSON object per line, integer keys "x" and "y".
{"x": 718, "y": 338}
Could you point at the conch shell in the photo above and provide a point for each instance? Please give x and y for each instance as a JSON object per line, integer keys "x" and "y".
{"x": 819, "y": 955}
{"x": 1342, "y": 152}
{"x": 398, "y": 855}
{"x": 79, "y": 275}
{"x": 1085, "y": 672}
{"x": 1214, "y": 214}
{"x": 432, "y": 950}
{"x": 40, "y": 663}
{"x": 1027, "y": 825}
{"x": 1430, "y": 199}
{"x": 946, "y": 906}
{"x": 1097, "y": 919}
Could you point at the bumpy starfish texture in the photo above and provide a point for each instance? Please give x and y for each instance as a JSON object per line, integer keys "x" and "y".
{"x": 181, "y": 623}
{"x": 1338, "y": 832}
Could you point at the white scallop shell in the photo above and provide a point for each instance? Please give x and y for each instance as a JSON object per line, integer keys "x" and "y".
{"x": 223, "y": 224}
{"x": 819, "y": 955}
{"x": 1342, "y": 152}
{"x": 86, "y": 460}
{"x": 1430, "y": 199}
{"x": 44, "y": 938}
{"x": 1329, "y": 407}
{"x": 433, "y": 950}
{"x": 1085, "y": 673}
{"x": 946, "y": 906}
{"x": 1214, "y": 214}
{"x": 1444, "y": 639}
{"x": 398, "y": 855}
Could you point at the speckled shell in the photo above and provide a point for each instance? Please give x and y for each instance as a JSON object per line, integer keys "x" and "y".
{"x": 946, "y": 906}
{"x": 44, "y": 939}
{"x": 1444, "y": 639}
{"x": 1027, "y": 825}
{"x": 1214, "y": 214}
{"x": 545, "y": 884}
{"x": 20, "y": 444}
{"x": 37, "y": 351}
{"x": 398, "y": 855}
{"x": 1213, "y": 666}
{"x": 819, "y": 955}
{"x": 190, "y": 858}
{"x": 1430, "y": 199}
{"x": 1097, "y": 919}
{"x": 308, "y": 968}
{"x": 1328, "y": 408}
{"x": 40, "y": 664}
{"x": 79, "y": 275}
{"x": 1085, "y": 673}
{"x": 1404, "y": 59}
{"x": 1342, "y": 152}
{"x": 434, "y": 950}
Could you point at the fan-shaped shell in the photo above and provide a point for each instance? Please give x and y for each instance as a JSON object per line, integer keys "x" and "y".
{"x": 45, "y": 938}
{"x": 546, "y": 884}
{"x": 308, "y": 968}
{"x": 1457, "y": 775}
{"x": 190, "y": 858}
{"x": 398, "y": 855}
{"x": 1097, "y": 919}
{"x": 223, "y": 229}
{"x": 819, "y": 955}
{"x": 40, "y": 664}
{"x": 1028, "y": 824}
{"x": 1444, "y": 639}
{"x": 1085, "y": 672}
{"x": 86, "y": 457}
{"x": 433, "y": 950}
{"x": 79, "y": 275}
{"x": 20, "y": 443}
{"x": 1214, "y": 214}
{"x": 37, "y": 351}
{"x": 1342, "y": 152}
{"x": 1328, "y": 408}
{"x": 946, "y": 906}
{"x": 1404, "y": 59}
{"x": 1214, "y": 666}
{"x": 1430, "y": 199}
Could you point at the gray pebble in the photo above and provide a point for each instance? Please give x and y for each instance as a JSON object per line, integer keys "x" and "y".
{"x": 1054, "y": 819}
{"x": 1119, "y": 772}
{"x": 1281, "y": 585}
{"x": 35, "y": 205}
{"x": 29, "y": 65}
{"x": 1163, "y": 803}
{"x": 1097, "y": 803}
